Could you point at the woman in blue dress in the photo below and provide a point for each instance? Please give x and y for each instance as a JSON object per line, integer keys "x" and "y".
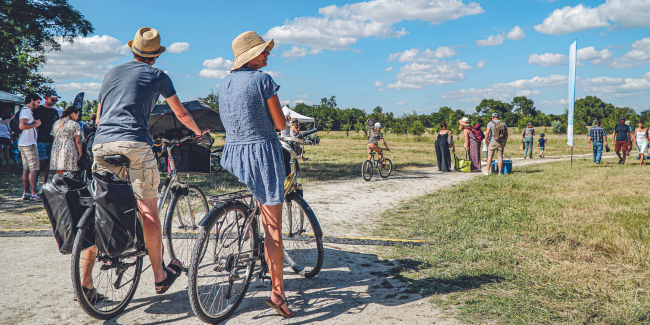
{"x": 251, "y": 113}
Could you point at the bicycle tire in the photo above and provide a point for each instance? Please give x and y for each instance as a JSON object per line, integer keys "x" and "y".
{"x": 386, "y": 169}
{"x": 116, "y": 299}
{"x": 182, "y": 218}
{"x": 366, "y": 170}
{"x": 302, "y": 237}
{"x": 209, "y": 278}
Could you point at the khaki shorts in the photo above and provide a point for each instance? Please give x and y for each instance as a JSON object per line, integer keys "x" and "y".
{"x": 498, "y": 147}
{"x": 143, "y": 169}
{"x": 30, "y": 157}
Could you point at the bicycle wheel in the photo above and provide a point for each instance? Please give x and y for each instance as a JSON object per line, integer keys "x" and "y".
{"x": 302, "y": 237}
{"x": 184, "y": 213}
{"x": 366, "y": 170}
{"x": 222, "y": 264}
{"x": 115, "y": 278}
{"x": 386, "y": 168}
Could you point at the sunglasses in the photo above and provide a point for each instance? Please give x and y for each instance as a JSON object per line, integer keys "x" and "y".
{"x": 266, "y": 51}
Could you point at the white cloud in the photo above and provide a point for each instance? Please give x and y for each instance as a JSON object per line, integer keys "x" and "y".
{"x": 585, "y": 54}
{"x": 493, "y": 40}
{"x": 84, "y": 86}
{"x": 416, "y": 75}
{"x": 400, "y": 85}
{"x": 306, "y": 102}
{"x": 87, "y": 57}
{"x": 274, "y": 74}
{"x": 285, "y": 102}
{"x": 340, "y": 27}
{"x": 505, "y": 91}
{"x": 389, "y": 69}
{"x": 516, "y": 34}
{"x": 179, "y": 47}
{"x": 414, "y": 55}
{"x": 638, "y": 55}
{"x": 303, "y": 96}
{"x": 481, "y": 64}
{"x": 378, "y": 83}
{"x": 301, "y": 90}
{"x": 187, "y": 76}
{"x": 217, "y": 68}
{"x": 622, "y": 13}
{"x": 295, "y": 52}
{"x": 400, "y": 103}
{"x": 615, "y": 86}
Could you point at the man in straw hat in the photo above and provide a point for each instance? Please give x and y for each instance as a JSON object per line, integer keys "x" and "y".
{"x": 128, "y": 94}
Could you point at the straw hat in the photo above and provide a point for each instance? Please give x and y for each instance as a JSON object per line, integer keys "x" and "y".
{"x": 464, "y": 121}
{"x": 247, "y": 46}
{"x": 146, "y": 43}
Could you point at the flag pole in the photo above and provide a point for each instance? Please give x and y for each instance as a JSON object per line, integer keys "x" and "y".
{"x": 572, "y": 94}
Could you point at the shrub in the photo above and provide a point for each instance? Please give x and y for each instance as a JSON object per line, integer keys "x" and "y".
{"x": 556, "y": 127}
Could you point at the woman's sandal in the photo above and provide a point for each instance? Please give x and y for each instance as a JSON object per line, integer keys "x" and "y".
{"x": 278, "y": 308}
{"x": 173, "y": 272}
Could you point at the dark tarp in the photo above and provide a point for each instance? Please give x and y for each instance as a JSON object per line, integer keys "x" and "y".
{"x": 162, "y": 117}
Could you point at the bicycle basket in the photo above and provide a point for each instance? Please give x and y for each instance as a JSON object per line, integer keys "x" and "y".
{"x": 115, "y": 214}
{"x": 61, "y": 200}
{"x": 192, "y": 157}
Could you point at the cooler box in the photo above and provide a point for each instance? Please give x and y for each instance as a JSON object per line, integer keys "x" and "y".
{"x": 507, "y": 165}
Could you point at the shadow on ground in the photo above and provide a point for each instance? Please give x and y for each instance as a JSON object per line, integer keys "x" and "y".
{"x": 347, "y": 285}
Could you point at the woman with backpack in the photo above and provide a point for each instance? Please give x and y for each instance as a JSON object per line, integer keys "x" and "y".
{"x": 66, "y": 149}
{"x": 528, "y": 135}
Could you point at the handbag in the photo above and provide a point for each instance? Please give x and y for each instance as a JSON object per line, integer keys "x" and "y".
{"x": 462, "y": 165}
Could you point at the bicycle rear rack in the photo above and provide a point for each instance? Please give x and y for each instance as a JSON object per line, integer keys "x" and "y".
{"x": 228, "y": 197}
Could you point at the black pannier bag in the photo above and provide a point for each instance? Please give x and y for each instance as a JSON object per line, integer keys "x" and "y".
{"x": 193, "y": 157}
{"x": 115, "y": 214}
{"x": 62, "y": 201}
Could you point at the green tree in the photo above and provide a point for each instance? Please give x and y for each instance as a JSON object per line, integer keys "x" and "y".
{"x": 346, "y": 127}
{"x": 417, "y": 128}
{"x": 28, "y": 29}
{"x": 212, "y": 99}
{"x": 556, "y": 127}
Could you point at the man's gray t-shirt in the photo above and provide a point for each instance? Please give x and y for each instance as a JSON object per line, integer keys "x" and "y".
{"x": 492, "y": 125}
{"x": 128, "y": 95}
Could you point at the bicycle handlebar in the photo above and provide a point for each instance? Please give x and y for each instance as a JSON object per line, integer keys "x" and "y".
{"x": 312, "y": 131}
{"x": 181, "y": 140}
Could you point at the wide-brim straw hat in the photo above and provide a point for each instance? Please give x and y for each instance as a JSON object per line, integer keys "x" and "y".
{"x": 146, "y": 43}
{"x": 464, "y": 121}
{"x": 247, "y": 46}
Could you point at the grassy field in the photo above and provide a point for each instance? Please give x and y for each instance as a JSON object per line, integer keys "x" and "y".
{"x": 545, "y": 245}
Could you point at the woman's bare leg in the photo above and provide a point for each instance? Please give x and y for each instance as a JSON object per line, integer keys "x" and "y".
{"x": 88, "y": 257}
{"x": 273, "y": 249}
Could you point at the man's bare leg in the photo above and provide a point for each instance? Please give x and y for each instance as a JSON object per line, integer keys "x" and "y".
{"x": 33, "y": 178}
{"x": 88, "y": 256}
{"x": 152, "y": 236}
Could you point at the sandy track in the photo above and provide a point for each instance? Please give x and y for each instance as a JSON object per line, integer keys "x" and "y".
{"x": 36, "y": 285}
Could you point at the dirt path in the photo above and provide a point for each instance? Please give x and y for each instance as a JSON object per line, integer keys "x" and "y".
{"x": 354, "y": 285}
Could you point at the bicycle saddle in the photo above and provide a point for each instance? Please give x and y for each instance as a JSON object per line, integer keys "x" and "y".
{"x": 117, "y": 160}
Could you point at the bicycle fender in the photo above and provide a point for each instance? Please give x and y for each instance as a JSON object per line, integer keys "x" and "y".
{"x": 87, "y": 214}
{"x": 310, "y": 213}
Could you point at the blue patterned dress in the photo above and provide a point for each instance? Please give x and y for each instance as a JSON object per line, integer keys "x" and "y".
{"x": 252, "y": 151}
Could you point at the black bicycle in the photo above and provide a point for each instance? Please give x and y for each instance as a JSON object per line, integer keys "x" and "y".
{"x": 230, "y": 244}
{"x": 369, "y": 166}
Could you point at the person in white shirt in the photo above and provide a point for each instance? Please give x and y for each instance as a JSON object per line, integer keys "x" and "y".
{"x": 27, "y": 147}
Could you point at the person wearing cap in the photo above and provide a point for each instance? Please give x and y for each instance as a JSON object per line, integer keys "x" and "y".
{"x": 630, "y": 136}
{"x": 496, "y": 141}
{"x": 48, "y": 115}
{"x": 542, "y": 145}
{"x": 472, "y": 144}
{"x": 251, "y": 113}
{"x": 373, "y": 142}
{"x": 295, "y": 130}
{"x": 619, "y": 139}
{"x": 527, "y": 135}
{"x": 596, "y": 137}
{"x": 126, "y": 98}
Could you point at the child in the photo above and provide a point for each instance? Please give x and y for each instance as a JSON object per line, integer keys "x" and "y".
{"x": 542, "y": 144}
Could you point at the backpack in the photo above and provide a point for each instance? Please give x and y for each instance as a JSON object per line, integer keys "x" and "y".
{"x": 14, "y": 124}
{"x": 499, "y": 132}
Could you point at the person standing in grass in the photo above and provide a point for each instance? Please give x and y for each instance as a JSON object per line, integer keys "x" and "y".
{"x": 27, "y": 147}
{"x": 47, "y": 115}
{"x": 444, "y": 141}
{"x": 619, "y": 139}
{"x": 542, "y": 145}
{"x": 597, "y": 136}
{"x": 497, "y": 135}
{"x": 528, "y": 135}
{"x": 630, "y": 136}
{"x": 641, "y": 140}
{"x": 472, "y": 144}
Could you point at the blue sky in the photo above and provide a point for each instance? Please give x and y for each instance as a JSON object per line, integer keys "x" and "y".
{"x": 403, "y": 55}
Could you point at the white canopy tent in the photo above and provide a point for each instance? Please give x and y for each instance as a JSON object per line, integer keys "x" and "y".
{"x": 301, "y": 118}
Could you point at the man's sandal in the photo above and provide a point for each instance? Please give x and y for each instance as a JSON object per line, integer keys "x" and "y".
{"x": 278, "y": 308}
{"x": 173, "y": 272}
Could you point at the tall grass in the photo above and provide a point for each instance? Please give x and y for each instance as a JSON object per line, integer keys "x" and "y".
{"x": 546, "y": 244}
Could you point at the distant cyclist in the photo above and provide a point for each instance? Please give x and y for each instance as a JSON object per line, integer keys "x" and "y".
{"x": 373, "y": 142}
{"x": 128, "y": 95}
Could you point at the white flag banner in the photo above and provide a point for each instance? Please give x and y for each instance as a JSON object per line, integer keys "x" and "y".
{"x": 572, "y": 91}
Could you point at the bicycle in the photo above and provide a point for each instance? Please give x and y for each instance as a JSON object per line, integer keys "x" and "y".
{"x": 187, "y": 206}
{"x": 384, "y": 168}
{"x": 230, "y": 244}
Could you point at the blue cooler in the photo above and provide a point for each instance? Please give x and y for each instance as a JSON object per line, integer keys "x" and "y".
{"x": 507, "y": 165}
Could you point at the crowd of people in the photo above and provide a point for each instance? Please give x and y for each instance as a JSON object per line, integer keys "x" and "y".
{"x": 48, "y": 139}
